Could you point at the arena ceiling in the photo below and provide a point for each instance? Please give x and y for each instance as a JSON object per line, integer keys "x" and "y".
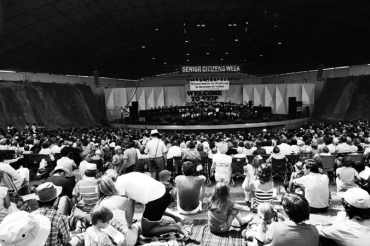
{"x": 138, "y": 38}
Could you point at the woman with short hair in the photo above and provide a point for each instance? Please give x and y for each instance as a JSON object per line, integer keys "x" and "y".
{"x": 221, "y": 164}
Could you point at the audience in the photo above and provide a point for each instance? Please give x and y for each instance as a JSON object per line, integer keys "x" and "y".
{"x": 111, "y": 199}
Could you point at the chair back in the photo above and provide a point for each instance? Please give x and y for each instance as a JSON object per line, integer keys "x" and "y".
{"x": 265, "y": 157}
{"x": 8, "y": 182}
{"x": 278, "y": 165}
{"x": 8, "y": 154}
{"x": 292, "y": 159}
{"x": 328, "y": 162}
{"x": 355, "y": 157}
{"x": 250, "y": 158}
{"x": 237, "y": 164}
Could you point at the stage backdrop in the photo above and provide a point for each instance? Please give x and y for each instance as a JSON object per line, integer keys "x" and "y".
{"x": 276, "y": 95}
{"x": 271, "y": 95}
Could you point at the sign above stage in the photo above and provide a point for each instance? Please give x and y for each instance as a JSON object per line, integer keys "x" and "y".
{"x": 211, "y": 69}
{"x": 209, "y": 85}
{"x": 204, "y": 95}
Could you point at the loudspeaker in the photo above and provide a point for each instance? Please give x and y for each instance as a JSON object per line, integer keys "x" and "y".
{"x": 96, "y": 77}
{"x": 250, "y": 103}
{"x": 299, "y": 109}
{"x": 292, "y": 107}
{"x": 307, "y": 111}
{"x": 319, "y": 72}
{"x": 134, "y": 111}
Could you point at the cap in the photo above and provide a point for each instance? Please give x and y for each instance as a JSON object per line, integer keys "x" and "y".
{"x": 47, "y": 191}
{"x": 164, "y": 175}
{"x": 23, "y": 228}
{"x": 356, "y": 197}
{"x": 155, "y": 131}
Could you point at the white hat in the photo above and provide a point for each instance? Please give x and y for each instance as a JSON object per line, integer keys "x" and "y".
{"x": 91, "y": 166}
{"x": 155, "y": 131}
{"x": 66, "y": 171}
{"x": 117, "y": 147}
{"x": 23, "y": 228}
{"x": 356, "y": 197}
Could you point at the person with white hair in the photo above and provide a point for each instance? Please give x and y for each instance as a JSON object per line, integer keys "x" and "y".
{"x": 221, "y": 164}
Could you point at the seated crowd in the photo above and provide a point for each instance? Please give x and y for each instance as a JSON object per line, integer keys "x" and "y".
{"x": 100, "y": 175}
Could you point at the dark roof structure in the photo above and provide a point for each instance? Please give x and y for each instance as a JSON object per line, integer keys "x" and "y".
{"x": 138, "y": 38}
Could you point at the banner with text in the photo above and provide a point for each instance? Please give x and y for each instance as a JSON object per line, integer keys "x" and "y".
{"x": 211, "y": 69}
{"x": 209, "y": 85}
{"x": 204, "y": 95}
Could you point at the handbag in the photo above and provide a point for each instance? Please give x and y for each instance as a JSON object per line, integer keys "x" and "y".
{"x": 152, "y": 162}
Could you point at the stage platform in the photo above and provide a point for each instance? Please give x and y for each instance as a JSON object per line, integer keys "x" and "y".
{"x": 275, "y": 125}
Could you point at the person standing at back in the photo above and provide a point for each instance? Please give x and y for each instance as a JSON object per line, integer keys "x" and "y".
{"x": 156, "y": 149}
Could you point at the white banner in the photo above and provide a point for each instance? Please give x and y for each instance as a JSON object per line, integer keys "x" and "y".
{"x": 209, "y": 85}
{"x": 205, "y": 96}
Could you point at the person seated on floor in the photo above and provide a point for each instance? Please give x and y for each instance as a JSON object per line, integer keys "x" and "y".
{"x": 58, "y": 178}
{"x": 4, "y": 199}
{"x": 119, "y": 205}
{"x": 293, "y": 231}
{"x": 47, "y": 193}
{"x": 111, "y": 174}
{"x": 165, "y": 177}
{"x": 156, "y": 198}
{"x": 86, "y": 156}
{"x": 190, "y": 190}
{"x": 222, "y": 211}
{"x": 262, "y": 187}
{"x": 37, "y": 228}
{"x": 65, "y": 161}
{"x": 354, "y": 228}
{"x": 85, "y": 190}
{"x": 316, "y": 187}
{"x": 45, "y": 150}
{"x": 347, "y": 176}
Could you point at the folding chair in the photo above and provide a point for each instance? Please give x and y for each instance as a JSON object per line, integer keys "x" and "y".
{"x": 237, "y": 165}
{"x": 177, "y": 162}
{"x": 279, "y": 168}
{"x": 14, "y": 192}
{"x": 355, "y": 157}
{"x": 250, "y": 158}
{"x": 328, "y": 162}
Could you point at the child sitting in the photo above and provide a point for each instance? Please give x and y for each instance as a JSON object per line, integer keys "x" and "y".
{"x": 346, "y": 175}
{"x": 222, "y": 211}
{"x": 257, "y": 232}
{"x": 94, "y": 236}
{"x": 296, "y": 174}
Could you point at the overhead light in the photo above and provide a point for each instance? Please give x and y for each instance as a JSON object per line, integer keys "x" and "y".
{"x": 164, "y": 63}
{"x": 279, "y": 42}
{"x": 207, "y": 53}
{"x": 156, "y": 29}
{"x": 261, "y": 55}
{"x": 222, "y": 59}
{"x": 236, "y": 39}
{"x": 187, "y": 54}
{"x": 226, "y": 53}
{"x": 186, "y": 40}
{"x": 187, "y": 60}
{"x": 143, "y": 46}
{"x": 153, "y": 58}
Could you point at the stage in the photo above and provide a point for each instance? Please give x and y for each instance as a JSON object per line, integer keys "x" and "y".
{"x": 274, "y": 125}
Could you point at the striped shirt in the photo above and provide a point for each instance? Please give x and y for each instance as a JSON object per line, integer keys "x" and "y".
{"x": 261, "y": 196}
{"x": 88, "y": 190}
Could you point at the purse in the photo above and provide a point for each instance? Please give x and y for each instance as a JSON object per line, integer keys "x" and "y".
{"x": 152, "y": 162}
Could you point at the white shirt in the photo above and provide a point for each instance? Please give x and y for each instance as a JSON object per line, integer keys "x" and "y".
{"x": 151, "y": 148}
{"x": 67, "y": 163}
{"x": 285, "y": 149}
{"x": 331, "y": 148}
{"x": 173, "y": 151}
{"x": 56, "y": 149}
{"x": 268, "y": 149}
{"x": 139, "y": 187}
{"x": 365, "y": 173}
{"x": 316, "y": 187}
{"x": 223, "y": 164}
